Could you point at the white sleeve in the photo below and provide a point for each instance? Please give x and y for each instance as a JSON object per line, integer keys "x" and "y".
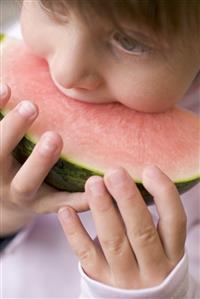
{"x": 17, "y": 240}
{"x": 178, "y": 285}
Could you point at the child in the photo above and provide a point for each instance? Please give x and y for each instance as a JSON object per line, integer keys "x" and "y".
{"x": 145, "y": 55}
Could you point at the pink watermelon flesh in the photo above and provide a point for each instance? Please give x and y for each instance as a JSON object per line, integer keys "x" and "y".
{"x": 99, "y": 137}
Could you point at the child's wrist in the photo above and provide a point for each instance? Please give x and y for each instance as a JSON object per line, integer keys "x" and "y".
{"x": 12, "y": 221}
{"x": 10, "y": 228}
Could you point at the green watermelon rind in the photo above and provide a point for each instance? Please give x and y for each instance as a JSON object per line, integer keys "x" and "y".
{"x": 101, "y": 173}
{"x": 70, "y": 176}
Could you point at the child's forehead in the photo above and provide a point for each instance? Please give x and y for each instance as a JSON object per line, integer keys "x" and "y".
{"x": 98, "y": 18}
{"x": 164, "y": 21}
{"x": 96, "y": 11}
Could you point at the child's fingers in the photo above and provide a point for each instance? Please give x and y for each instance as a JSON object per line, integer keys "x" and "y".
{"x": 111, "y": 232}
{"x": 49, "y": 200}
{"x": 14, "y": 125}
{"x": 172, "y": 223}
{"x": 30, "y": 176}
{"x": 91, "y": 258}
{"x": 5, "y": 93}
{"x": 140, "y": 228}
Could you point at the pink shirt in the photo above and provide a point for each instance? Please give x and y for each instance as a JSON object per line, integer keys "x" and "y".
{"x": 39, "y": 263}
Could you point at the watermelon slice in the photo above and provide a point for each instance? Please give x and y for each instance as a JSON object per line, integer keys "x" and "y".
{"x": 98, "y": 137}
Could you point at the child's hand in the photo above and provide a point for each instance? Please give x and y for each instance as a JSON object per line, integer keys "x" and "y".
{"x": 134, "y": 253}
{"x": 22, "y": 193}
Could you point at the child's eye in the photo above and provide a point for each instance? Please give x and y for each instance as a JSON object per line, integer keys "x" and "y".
{"x": 129, "y": 44}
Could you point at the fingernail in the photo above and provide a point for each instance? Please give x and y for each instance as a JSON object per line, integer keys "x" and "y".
{"x": 152, "y": 171}
{"x": 48, "y": 143}
{"x": 65, "y": 214}
{"x": 26, "y": 108}
{"x": 96, "y": 186}
{"x": 3, "y": 90}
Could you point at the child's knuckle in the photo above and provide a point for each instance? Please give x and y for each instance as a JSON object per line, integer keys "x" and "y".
{"x": 168, "y": 187}
{"x": 114, "y": 245}
{"x": 86, "y": 254}
{"x": 20, "y": 191}
{"x": 145, "y": 235}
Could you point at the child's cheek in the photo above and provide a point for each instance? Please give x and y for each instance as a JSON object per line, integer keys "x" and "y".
{"x": 154, "y": 90}
{"x": 34, "y": 33}
{"x": 145, "y": 96}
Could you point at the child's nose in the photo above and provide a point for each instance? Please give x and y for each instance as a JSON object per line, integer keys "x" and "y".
{"x": 76, "y": 69}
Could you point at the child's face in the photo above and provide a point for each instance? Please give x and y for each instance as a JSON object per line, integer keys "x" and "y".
{"x": 102, "y": 66}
